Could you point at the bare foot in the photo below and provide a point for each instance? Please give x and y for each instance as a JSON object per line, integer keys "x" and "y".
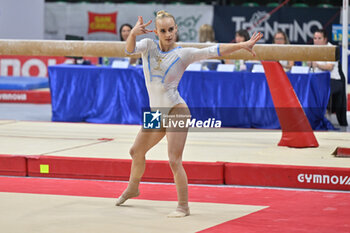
{"x": 125, "y": 196}
{"x": 180, "y": 212}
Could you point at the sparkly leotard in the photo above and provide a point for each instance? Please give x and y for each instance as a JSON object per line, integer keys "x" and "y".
{"x": 163, "y": 70}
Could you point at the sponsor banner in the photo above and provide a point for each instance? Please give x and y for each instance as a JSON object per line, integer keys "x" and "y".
{"x": 31, "y": 66}
{"x": 102, "y": 21}
{"x": 298, "y": 23}
{"x": 38, "y": 97}
{"x": 337, "y": 32}
{"x": 13, "y": 97}
{"x": 324, "y": 179}
{"x": 332, "y": 178}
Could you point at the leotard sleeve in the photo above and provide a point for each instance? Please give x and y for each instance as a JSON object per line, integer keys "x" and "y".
{"x": 140, "y": 47}
{"x": 190, "y": 55}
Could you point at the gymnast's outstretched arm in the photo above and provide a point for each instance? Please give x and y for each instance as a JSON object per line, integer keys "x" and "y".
{"x": 190, "y": 55}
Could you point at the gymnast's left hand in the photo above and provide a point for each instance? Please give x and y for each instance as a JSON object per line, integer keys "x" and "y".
{"x": 248, "y": 45}
{"x": 140, "y": 27}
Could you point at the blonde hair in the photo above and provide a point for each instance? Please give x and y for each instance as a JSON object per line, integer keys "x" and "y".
{"x": 206, "y": 33}
{"x": 163, "y": 14}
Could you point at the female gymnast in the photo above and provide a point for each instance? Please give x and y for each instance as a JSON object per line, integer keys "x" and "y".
{"x": 163, "y": 65}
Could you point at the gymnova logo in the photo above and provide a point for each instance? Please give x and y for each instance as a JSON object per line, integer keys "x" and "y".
{"x": 154, "y": 120}
{"x": 323, "y": 179}
{"x": 11, "y": 96}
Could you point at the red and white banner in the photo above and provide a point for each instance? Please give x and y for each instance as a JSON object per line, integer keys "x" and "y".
{"x": 102, "y": 22}
{"x": 31, "y": 96}
{"x": 31, "y": 66}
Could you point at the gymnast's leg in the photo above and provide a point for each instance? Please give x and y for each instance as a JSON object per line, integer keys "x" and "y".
{"x": 176, "y": 143}
{"x": 144, "y": 141}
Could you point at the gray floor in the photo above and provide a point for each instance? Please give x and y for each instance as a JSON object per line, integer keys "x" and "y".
{"x": 333, "y": 119}
{"x": 25, "y": 112}
{"x": 42, "y": 112}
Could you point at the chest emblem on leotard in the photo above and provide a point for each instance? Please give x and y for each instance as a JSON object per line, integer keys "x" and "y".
{"x": 159, "y": 60}
{"x": 161, "y": 65}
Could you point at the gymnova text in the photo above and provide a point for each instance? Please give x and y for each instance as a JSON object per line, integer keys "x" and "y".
{"x": 210, "y": 123}
{"x": 323, "y": 179}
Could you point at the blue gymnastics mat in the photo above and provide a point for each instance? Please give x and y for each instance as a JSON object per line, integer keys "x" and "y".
{"x": 23, "y": 83}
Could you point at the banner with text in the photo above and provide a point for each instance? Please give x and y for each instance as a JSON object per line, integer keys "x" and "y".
{"x": 298, "y": 23}
{"x": 32, "y": 66}
{"x": 102, "y": 21}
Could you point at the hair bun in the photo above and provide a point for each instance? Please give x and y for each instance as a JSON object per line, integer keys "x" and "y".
{"x": 161, "y": 13}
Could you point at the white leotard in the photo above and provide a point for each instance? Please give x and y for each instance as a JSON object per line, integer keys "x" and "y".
{"x": 163, "y": 70}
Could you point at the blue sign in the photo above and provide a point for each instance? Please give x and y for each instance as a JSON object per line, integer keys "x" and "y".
{"x": 151, "y": 120}
{"x": 298, "y": 23}
{"x": 337, "y": 32}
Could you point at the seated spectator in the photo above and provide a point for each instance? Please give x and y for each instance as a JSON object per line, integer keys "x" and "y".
{"x": 281, "y": 38}
{"x": 124, "y": 32}
{"x": 206, "y": 34}
{"x": 337, "y": 101}
{"x": 242, "y": 35}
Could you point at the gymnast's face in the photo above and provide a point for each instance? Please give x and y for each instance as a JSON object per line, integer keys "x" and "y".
{"x": 166, "y": 30}
{"x": 319, "y": 39}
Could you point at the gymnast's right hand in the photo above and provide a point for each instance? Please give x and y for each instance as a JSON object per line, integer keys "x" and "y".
{"x": 140, "y": 27}
{"x": 248, "y": 45}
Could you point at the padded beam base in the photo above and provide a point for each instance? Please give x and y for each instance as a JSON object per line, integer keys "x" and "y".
{"x": 119, "y": 169}
{"x": 11, "y": 165}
